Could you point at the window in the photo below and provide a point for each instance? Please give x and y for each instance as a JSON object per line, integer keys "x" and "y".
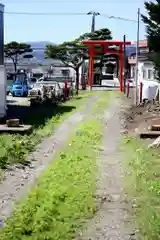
{"x": 144, "y": 73}
{"x": 149, "y": 74}
{"x": 65, "y": 72}
{"x": 37, "y": 75}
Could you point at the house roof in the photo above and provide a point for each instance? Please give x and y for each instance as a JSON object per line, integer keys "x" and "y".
{"x": 143, "y": 54}
{"x": 142, "y": 43}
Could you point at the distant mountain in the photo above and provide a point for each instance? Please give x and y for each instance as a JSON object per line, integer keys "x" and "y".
{"x": 40, "y": 45}
{"x": 39, "y": 48}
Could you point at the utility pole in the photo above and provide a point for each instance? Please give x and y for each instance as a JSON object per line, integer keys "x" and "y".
{"x": 94, "y": 14}
{"x": 137, "y": 55}
{"x": 1, "y": 34}
{"x": 124, "y": 64}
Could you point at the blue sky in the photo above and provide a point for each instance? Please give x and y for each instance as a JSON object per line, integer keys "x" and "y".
{"x": 61, "y": 28}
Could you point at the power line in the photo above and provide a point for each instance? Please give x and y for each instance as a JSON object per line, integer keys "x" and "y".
{"x": 45, "y": 13}
{"x": 119, "y": 18}
{"x": 70, "y": 14}
{"x": 69, "y": 1}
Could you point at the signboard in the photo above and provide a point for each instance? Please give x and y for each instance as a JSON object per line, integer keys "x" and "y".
{"x": 1, "y": 35}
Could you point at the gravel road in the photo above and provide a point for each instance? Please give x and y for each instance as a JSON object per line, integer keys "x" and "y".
{"x": 113, "y": 220}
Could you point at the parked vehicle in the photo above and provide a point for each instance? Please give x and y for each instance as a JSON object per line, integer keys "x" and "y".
{"x": 19, "y": 88}
{"x": 37, "y": 75}
{"x": 32, "y": 81}
{"x": 46, "y": 91}
{"x": 69, "y": 88}
{"x": 47, "y": 81}
{"x": 59, "y": 94}
{"x": 41, "y": 93}
{"x": 9, "y": 88}
{"x": 58, "y": 91}
{"x": 36, "y": 93}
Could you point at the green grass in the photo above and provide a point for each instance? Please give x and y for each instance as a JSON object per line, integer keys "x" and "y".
{"x": 105, "y": 97}
{"x": 143, "y": 184}
{"x": 15, "y": 148}
{"x": 64, "y": 194}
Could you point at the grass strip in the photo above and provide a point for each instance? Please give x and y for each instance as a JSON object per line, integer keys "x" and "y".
{"x": 64, "y": 194}
{"x": 15, "y": 148}
{"x": 143, "y": 184}
{"x": 102, "y": 102}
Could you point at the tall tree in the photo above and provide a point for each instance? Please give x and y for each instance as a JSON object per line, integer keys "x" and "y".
{"x": 16, "y": 51}
{"x": 152, "y": 22}
{"x": 101, "y": 34}
{"x": 72, "y": 53}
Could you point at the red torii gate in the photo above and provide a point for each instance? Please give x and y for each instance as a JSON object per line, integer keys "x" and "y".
{"x": 106, "y": 45}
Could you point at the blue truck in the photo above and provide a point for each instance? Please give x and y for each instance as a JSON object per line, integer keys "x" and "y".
{"x": 19, "y": 88}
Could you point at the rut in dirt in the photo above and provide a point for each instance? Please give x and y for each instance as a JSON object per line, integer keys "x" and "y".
{"x": 19, "y": 180}
{"x": 113, "y": 220}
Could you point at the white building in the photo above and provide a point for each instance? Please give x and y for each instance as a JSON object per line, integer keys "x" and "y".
{"x": 2, "y": 69}
{"x": 147, "y": 67}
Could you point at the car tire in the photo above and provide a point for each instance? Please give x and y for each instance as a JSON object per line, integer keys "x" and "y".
{"x": 25, "y": 94}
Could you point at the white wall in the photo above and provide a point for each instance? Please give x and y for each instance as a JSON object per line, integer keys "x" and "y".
{"x": 147, "y": 72}
{"x": 3, "y": 86}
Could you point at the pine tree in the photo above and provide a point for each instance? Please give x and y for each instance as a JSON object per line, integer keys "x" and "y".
{"x": 152, "y": 22}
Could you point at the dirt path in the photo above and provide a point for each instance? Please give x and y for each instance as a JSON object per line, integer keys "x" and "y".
{"x": 19, "y": 180}
{"x": 113, "y": 219}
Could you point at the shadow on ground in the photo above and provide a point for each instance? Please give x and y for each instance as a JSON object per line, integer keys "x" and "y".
{"x": 36, "y": 116}
{"x": 11, "y": 101}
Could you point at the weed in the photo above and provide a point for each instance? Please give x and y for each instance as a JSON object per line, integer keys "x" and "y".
{"x": 142, "y": 182}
